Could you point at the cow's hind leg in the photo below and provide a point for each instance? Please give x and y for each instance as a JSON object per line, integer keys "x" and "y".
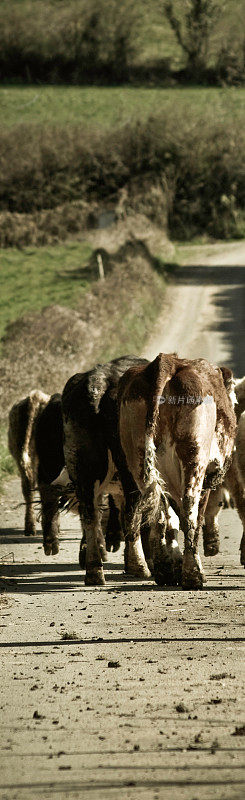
{"x": 83, "y": 549}
{"x": 235, "y": 485}
{"x": 166, "y": 555}
{"x": 113, "y": 532}
{"x": 100, "y": 540}
{"x": 50, "y": 518}
{"x": 100, "y": 534}
{"x": 211, "y": 540}
{"x": 134, "y": 558}
{"x": 242, "y": 550}
{"x": 92, "y": 548}
{"x": 28, "y": 493}
{"x": 191, "y": 521}
{"x": 87, "y": 465}
{"x": 94, "y": 568}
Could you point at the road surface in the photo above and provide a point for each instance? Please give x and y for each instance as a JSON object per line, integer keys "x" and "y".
{"x": 129, "y": 691}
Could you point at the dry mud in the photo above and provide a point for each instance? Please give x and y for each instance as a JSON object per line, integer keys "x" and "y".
{"x": 128, "y": 691}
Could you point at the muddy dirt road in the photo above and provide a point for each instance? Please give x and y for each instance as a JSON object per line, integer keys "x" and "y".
{"x": 129, "y": 691}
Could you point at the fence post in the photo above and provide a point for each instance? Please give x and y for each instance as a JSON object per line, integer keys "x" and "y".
{"x": 100, "y": 267}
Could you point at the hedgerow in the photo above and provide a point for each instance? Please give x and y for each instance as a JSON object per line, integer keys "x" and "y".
{"x": 202, "y": 167}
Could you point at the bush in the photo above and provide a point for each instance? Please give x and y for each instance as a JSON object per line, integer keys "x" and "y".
{"x": 48, "y": 226}
{"x": 230, "y": 64}
{"x": 199, "y": 163}
{"x": 76, "y": 42}
{"x": 192, "y": 27}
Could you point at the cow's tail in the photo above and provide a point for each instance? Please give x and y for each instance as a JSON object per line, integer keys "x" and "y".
{"x": 154, "y": 500}
{"x": 153, "y": 506}
{"x": 67, "y": 494}
{"x": 36, "y": 399}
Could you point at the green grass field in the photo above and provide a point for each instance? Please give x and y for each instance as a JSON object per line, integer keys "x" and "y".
{"x": 33, "y": 278}
{"x": 106, "y": 107}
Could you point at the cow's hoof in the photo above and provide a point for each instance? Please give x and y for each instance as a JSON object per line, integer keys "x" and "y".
{"x": 211, "y": 543}
{"x": 95, "y": 577}
{"x": 192, "y": 573}
{"x": 163, "y": 577}
{"x": 47, "y": 549}
{"x": 112, "y": 544}
{"x": 242, "y": 550}
{"x": 168, "y": 562}
{"x": 51, "y": 548}
{"x": 30, "y": 531}
{"x": 82, "y": 556}
{"x": 168, "y": 578}
{"x": 134, "y": 560}
{"x": 168, "y": 573}
{"x": 210, "y": 549}
{"x": 139, "y": 571}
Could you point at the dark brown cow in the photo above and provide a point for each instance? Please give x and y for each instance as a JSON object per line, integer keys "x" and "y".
{"x": 35, "y": 438}
{"x": 177, "y": 429}
{"x": 94, "y": 459}
{"x": 35, "y": 442}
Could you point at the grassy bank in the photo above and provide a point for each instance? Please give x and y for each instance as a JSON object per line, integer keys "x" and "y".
{"x": 96, "y": 321}
{"x": 31, "y": 279}
{"x": 7, "y": 464}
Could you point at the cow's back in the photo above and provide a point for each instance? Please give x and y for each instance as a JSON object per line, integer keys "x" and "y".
{"x": 89, "y": 401}
{"x": 22, "y": 422}
{"x": 18, "y": 421}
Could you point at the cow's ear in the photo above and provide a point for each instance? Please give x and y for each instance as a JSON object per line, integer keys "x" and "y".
{"x": 227, "y": 375}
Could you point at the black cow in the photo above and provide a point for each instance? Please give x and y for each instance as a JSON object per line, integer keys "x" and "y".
{"x": 94, "y": 458}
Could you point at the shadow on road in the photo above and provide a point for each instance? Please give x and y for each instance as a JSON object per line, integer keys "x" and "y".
{"x": 218, "y": 275}
{"x": 16, "y": 536}
{"x": 229, "y": 303}
{"x": 90, "y": 789}
{"x": 122, "y": 640}
{"x": 60, "y": 577}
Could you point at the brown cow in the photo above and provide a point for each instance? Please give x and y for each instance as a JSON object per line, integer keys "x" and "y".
{"x": 177, "y": 428}
{"x": 235, "y": 484}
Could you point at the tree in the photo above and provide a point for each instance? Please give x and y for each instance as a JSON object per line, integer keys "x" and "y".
{"x": 192, "y": 31}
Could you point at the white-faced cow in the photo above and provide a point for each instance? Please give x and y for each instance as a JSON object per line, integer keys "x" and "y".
{"x": 177, "y": 429}
{"x": 234, "y": 482}
{"x": 94, "y": 458}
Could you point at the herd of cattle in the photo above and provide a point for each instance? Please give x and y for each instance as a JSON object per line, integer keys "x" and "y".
{"x": 138, "y": 449}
